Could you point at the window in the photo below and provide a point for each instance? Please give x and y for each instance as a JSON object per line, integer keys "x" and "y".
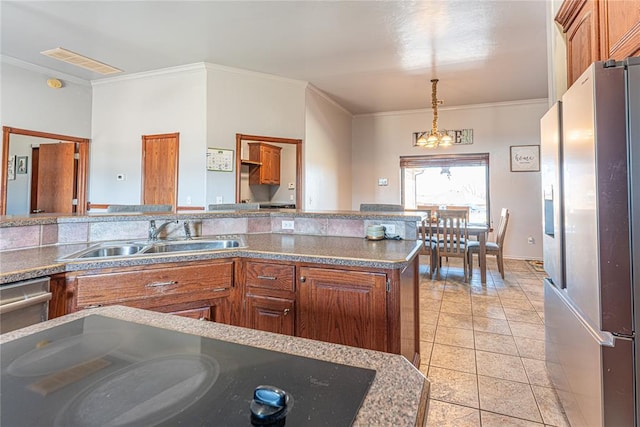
{"x": 447, "y": 180}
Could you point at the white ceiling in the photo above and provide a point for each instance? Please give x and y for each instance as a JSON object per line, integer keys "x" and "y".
{"x": 369, "y": 56}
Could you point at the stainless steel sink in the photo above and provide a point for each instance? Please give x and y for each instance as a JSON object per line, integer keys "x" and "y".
{"x": 189, "y": 246}
{"x": 135, "y": 249}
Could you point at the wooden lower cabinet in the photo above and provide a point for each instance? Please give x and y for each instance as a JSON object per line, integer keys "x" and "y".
{"x": 343, "y": 307}
{"x": 271, "y": 314}
{"x": 362, "y": 307}
{"x": 195, "y": 289}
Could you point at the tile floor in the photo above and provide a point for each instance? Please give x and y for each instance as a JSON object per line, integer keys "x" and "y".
{"x": 482, "y": 347}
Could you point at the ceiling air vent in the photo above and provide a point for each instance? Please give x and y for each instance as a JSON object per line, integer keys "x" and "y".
{"x": 73, "y": 58}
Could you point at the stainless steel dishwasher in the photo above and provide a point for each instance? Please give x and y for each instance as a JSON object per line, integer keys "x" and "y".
{"x": 24, "y": 303}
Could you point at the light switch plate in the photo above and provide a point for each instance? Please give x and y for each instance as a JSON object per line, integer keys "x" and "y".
{"x": 383, "y": 181}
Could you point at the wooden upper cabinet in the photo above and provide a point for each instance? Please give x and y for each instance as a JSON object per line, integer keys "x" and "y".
{"x": 579, "y": 20}
{"x": 620, "y": 28}
{"x": 269, "y": 158}
{"x": 598, "y": 30}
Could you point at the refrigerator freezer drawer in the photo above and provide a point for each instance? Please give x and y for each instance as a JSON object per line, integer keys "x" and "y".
{"x": 592, "y": 372}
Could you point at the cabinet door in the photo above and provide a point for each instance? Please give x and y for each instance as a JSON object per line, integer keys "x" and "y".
{"x": 619, "y": 28}
{"x": 274, "y": 176}
{"x": 270, "y": 314}
{"x": 579, "y": 21}
{"x": 343, "y": 307}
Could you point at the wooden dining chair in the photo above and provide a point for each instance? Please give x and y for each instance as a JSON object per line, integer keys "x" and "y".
{"x": 493, "y": 248}
{"x": 452, "y": 236}
{"x": 429, "y": 242}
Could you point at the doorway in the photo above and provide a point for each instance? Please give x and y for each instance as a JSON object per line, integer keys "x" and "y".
{"x": 243, "y": 160}
{"x": 78, "y": 203}
{"x": 160, "y": 169}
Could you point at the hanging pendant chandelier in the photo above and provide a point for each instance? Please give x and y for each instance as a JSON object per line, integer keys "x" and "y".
{"x": 434, "y": 137}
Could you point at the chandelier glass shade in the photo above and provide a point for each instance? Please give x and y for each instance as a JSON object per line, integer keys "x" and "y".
{"x": 434, "y": 137}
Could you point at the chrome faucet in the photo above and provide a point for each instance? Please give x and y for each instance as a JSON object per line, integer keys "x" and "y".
{"x": 187, "y": 231}
{"x": 154, "y": 231}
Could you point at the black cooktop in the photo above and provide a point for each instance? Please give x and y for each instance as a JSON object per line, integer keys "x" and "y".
{"x": 99, "y": 371}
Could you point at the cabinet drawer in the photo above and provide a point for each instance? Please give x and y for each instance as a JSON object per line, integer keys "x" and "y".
{"x": 166, "y": 285}
{"x": 201, "y": 313}
{"x": 269, "y": 276}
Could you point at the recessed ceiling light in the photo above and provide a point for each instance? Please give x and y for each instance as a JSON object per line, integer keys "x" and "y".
{"x": 73, "y": 58}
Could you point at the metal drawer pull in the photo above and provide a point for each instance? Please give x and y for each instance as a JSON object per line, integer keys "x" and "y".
{"x": 158, "y": 284}
{"x": 13, "y": 306}
{"x": 286, "y": 311}
{"x": 267, "y": 277}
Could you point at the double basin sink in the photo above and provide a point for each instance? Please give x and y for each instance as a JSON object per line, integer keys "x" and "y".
{"x": 141, "y": 248}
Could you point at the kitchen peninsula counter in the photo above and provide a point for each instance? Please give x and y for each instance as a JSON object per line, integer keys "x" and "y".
{"x": 397, "y": 396}
{"x": 41, "y": 261}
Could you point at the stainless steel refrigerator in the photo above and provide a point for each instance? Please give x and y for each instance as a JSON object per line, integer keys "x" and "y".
{"x": 590, "y": 158}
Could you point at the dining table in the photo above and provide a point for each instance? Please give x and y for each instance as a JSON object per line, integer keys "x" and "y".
{"x": 479, "y": 231}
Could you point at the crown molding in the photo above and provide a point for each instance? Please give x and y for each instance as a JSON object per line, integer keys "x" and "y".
{"x": 199, "y": 66}
{"x": 458, "y": 107}
{"x": 217, "y": 67}
{"x": 43, "y": 70}
{"x": 326, "y": 97}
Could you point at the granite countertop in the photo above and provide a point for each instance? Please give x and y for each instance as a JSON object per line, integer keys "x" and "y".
{"x": 398, "y": 395}
{"x": 25, "y": 264}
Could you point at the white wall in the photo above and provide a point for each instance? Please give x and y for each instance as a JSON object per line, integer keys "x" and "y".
{"x": 28, "y": 103}
{"x": 327, "y": 154}
{"x": 380, "y": 139}
{"x": 124, "y": 109}
{"x": 251, "y": 103}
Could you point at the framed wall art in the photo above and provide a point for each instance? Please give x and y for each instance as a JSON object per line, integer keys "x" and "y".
{"x": 525, "y": 158}
{"x": 21, "y": 165}
{"x": 11, "y": 168}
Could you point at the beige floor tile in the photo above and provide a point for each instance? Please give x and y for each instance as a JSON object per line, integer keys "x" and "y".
{"x": 527, "y": 330}
{"x": 530, "y": 348}
{"x": 537, "y": 372}
{"x": 454, "y": 336}
{"x": 455, "y": 320}
{"x": 508, "y": 398}
{"x": 550, "y": 407}
{"x": 443, "y": 414}
{"x": 522, "y": 304}
{"x": 427, "y": 332}
{"x": 502, "y": 366}
{"x": 456, "y": 307}
{"x": 518, "y": 315}
{"x": 429, "y": 304}
{"x": 488, "y": 310}
{"x": 489, "y": 419}
{"x": 485, "y": 299}
{"x": 451, "y": 357}
{"x": 496, "y": 343}
{"x": 429, "y": 317}
{"x": 426, "y": 348}
{"x": 483, "y": 290}
{"x": 495, "y": 326}
{"x": 453, "y": 386}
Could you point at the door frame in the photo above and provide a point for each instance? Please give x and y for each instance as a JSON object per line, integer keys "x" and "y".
{"x": 82, "y": 173}
{"x": 297, "y": 142}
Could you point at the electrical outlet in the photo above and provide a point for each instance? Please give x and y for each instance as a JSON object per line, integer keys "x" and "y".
{"x": 188, "y": 200}
{"x": 531, "y": 240}
{"x": 383, "y": 181}
{"x": 292, "y": 186}
{"x": 287, "y": 225}
{"x": 218, "y": 199}
{"x": 389, "y": 229}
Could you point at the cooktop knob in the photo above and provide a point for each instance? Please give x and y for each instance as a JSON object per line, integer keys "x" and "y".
{"x": 270, "y": 406}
